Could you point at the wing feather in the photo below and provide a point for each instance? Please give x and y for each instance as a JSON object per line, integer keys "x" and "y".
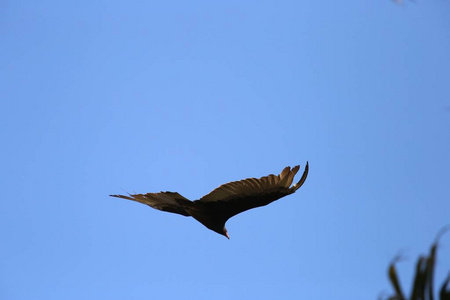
{"x": 235, "y": 197}
{"x": 165, "y": 201}
{"x": 285, "y": 172}
{"x": 302, "y": 179}
{"x": 284, "y": 177}
{"x": 272, "y": 179}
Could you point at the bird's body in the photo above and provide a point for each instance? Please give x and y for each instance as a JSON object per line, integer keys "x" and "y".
{"x": 214, "y": 209}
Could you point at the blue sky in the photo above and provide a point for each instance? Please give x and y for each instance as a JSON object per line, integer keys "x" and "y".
{"x": 104, "y": 97}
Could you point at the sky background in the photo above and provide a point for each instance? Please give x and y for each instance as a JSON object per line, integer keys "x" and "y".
{"x": 108, "y": 97}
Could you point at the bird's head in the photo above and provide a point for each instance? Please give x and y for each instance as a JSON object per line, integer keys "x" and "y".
{"x": 225, "y": 233}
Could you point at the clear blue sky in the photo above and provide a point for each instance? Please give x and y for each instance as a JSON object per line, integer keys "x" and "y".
{"x": 103, "y": 97}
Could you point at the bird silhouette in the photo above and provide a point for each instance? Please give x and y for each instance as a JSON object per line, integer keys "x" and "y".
{"x": 214, "y": 209}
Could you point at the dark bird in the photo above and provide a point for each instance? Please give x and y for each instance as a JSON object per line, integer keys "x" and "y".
{"x": 214, "y": 209}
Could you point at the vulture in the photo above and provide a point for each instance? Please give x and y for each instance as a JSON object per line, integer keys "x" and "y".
{"x": 214, "y": 209}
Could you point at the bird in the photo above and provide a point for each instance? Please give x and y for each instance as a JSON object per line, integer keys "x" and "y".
{"x": 214, "y": 209}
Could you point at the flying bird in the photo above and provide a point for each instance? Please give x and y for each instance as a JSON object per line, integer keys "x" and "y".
{"x": 214, "y": 209}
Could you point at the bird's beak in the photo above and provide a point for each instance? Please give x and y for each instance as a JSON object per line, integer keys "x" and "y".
{"x": 226, "y": 234}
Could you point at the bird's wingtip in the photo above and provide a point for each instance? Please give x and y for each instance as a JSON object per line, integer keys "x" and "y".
{"x": 123, "y": 197}
{"x": 302, "y": 179}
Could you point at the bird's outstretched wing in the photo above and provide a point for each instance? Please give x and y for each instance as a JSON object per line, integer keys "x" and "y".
{"x": 165, "y": 201}
{"x": 235, "y": 197}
